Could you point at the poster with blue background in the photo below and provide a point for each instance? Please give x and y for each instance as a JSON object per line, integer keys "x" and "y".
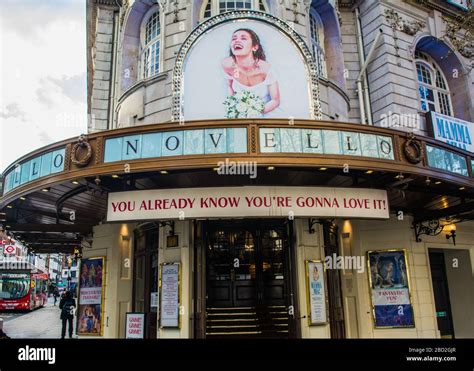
{"x": 390, "y": 290}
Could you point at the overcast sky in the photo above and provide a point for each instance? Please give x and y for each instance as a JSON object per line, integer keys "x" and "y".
{"x": 42, "y": 74}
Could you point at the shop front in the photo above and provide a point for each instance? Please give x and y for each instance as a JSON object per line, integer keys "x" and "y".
{"x": 245, "y": 268}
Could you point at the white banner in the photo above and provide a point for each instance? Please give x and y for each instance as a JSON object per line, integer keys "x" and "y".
{"x": 90, "y": 295}
{"x": 391, "y": 296}
{"x": 252, "y": 201}
{"x": 135, "y": 326}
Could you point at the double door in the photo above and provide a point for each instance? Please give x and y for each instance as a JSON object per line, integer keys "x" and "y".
{"x": 145, "y": 277}
{"x": 246, "y": 264}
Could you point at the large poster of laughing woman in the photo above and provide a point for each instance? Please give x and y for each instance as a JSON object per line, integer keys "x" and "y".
{"x": 91, "y": 303}
{"x": 390, "y": 289}
{"x": 245, "y": 68}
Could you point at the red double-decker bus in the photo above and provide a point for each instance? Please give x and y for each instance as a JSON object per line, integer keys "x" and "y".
{"x": 22, "y": 290}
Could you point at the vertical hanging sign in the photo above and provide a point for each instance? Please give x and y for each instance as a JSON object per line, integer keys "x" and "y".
{"x": 316, "y": 294}
{"x": 169, "y": 294}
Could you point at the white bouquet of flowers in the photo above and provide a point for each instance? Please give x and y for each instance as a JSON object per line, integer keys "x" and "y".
{"x": 244, "y": 104}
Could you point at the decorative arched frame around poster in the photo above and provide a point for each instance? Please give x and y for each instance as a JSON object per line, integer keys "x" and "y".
{"x": 310, "y": 64}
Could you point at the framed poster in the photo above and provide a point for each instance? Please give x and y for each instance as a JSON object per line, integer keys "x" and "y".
{"x": 90, "y": 312}
{"x": 170, "y": 283}
{"x": 316, "y": 292}
{"x": 216, "y": 63}
{"x": 390, "y": 289}
{"x": 134, "y": 325}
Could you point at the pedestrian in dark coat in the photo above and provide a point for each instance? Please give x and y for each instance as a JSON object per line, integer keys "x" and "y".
{"x": 67, "y": 306}
{"x": 55, "y": 295}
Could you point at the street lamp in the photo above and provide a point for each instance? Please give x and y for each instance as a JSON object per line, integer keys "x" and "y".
{"x": 69, "y": 264}
{"x": 452, "y": 233}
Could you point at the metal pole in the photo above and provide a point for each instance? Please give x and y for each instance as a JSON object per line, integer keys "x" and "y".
{"x": 360, "y": 46}
{"x": 363, "y": 73}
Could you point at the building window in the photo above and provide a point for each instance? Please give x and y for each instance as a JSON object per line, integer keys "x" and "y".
{"x": 317, "y": 41}
{"x": 228, "y": 5}
{"x": 432, "y": 85}
{"x": 208, "y": 10}
{"x": 214, "y": 7}
{"x": 151, "y": 46}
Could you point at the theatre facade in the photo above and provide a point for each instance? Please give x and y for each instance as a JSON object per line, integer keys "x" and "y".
{"x": 264, "y": 169}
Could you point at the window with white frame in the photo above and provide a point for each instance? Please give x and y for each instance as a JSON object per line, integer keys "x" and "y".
{"x": 432, "y": 86}
{"x": 214, "y": 7}
{"x": 316, "y": 31}
{"x": 151, "y": 46}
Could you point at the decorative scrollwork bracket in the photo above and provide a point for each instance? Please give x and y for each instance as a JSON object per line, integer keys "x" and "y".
{"x": 429, "y": 228}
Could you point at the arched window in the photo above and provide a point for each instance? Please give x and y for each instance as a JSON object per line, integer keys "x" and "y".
{"x": 214, "y": 7}
{"x": 316, "y": 31}
{"x": 151, "y": 36}
{"x": 432, "y": 85}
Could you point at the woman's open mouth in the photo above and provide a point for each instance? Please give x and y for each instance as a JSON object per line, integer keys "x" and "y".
{"x": 238, "y": 46}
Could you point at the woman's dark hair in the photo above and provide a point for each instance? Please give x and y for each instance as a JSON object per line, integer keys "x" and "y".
{"x": 68, "y": 294}
{"x": 259, "y": 54}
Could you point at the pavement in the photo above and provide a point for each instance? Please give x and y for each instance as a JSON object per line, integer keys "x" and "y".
{"x": 42, "y": 323}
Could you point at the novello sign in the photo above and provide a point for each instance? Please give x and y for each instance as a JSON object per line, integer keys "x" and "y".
{"x": 234, "y": 140}
{"x": 252, "y": 201}
{"x": 35, "y": 168}
{"x": 329, "y": 142}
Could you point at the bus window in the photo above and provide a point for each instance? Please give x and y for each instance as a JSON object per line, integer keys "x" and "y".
{"x": 14, "y": 286}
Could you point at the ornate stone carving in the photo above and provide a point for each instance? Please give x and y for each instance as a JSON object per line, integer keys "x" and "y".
{"x": 412, "y": 27}
{"x": 81, "y": 143}
{"x": 123, "y": 11}
{"x": 460, "y": 33}
{"x": 413, "y": 149}
{"x": 176, "y": 11}
{"x": 467, "y": 52}
{"x": 163, "y": 4}
{"x": 398, "y": 23}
